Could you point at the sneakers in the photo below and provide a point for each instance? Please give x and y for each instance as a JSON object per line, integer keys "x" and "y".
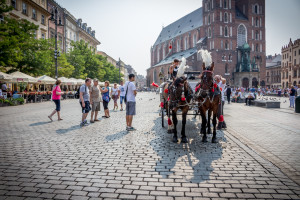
{"x": 84, "y": 123}
{"x": 130, "y": 129}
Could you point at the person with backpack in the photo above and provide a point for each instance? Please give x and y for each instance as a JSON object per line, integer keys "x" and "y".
{"x": 105, "y": 98}
{"x": 228, "y": 93}
{"x": 130, "y": 102}
{"x": 56, "y": 95}
{"x": 84, "y": 101}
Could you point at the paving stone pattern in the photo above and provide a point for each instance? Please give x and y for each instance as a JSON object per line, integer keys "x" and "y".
{"x": 60, "y": 160}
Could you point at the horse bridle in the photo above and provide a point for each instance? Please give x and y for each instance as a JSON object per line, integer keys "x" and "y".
{"x": 173, "y": 90}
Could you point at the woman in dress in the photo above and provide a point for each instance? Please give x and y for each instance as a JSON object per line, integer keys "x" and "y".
{"x": 115, "y": 96}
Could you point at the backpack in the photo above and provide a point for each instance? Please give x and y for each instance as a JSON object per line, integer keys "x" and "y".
{"x": 77, "y": 94}
{"x": 125, "y": 98}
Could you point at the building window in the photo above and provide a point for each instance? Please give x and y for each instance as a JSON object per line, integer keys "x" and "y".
{"x": 241, "y": 39}
{"x": 230, "y": 31}
{"x": 164, "y": 50}
{"x": 43, "y": 36}
{"x": 178, "y": 46}
{"x": 295, "y": 53}
{"x": 226, "y": 45}
{"x": 14, "y": 4}
{"x": 295, "y": 73}
{"x": 256, "y": 8}
{"x": 226, "y": 31}
{"x": 256, "y": 22}
{"x": 24, "y": 8}
{"x": 226, "y": 68}
{"x": 194, "y": 40}
{"x": 33, "y": 14}
{"x": 230, "y": 44}
{"x": 223, "y": 57}
{"x": 226, "y": 17}
{"x": 225, "y": 3}
{"x": 230, "y": 57}
{"x": 186, "y": 46}
{"x": 221, "y": 44}
{"x": 43, "y": 19}
{"x": 220, "y": 16}
{"x": 256, "y": 48}
{"x": 220, "y": 3}
{"x": 260, "y": 35}
{"x": 256, "y": 35}
{"x": 208, "y": 19}
{"x": 209, "y": 32}
{"x": 220, "y": 30}
{"x": 294, "y": 61}
{"x": 52, "y": 35}
{"x": 260, "y": 47}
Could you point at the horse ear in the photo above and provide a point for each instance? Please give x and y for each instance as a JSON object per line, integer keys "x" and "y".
{"x": 212, "y": 66}
{"x": 203, "y": 66}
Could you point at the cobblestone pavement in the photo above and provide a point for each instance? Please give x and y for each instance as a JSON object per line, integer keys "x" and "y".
{"x": 273, "y": 133}
{"x": 59, "y": 160}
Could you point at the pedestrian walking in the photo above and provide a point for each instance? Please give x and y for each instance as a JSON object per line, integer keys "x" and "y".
{"x": 105, "y": 98}
{"x": 292, "y": 96}
{"x": 56, "y": 95}
{"x": 95, "y": 101}
{"x": 84, "y": 101}
{"x": 121, "y": 91}
{"x": 115, "y": 96}
{"x": 221, "y": 83}
{"x": 130, "y": 102}
{"x": 228, "y": 93}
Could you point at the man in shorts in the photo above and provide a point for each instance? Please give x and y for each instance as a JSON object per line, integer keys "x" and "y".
{"x": 84, "y": 100}
{"x": 95, "y": 101}
{"x": 130, "y": 93}
{"x": 121, "y": 94}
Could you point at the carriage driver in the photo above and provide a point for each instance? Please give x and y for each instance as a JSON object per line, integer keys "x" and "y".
{"x": 222, "y": 84}
{"x": 174, "y": 69}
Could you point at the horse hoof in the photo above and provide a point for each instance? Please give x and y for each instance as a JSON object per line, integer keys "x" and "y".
{"x": 214, "y": 140}
{"x": 175, "y": 140}
{"x": 184, "y": 140}
{"x": 204, "y": 139}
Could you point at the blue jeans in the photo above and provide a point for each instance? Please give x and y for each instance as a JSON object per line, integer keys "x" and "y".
{"x": 292, "y": 101}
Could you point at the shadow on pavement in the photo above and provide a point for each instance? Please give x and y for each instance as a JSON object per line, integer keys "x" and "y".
{"x": 39, "y": 123}
{"x": 64, "y": 131}
{"x": 193, "y": 159}
{"x": 116, "y": 136}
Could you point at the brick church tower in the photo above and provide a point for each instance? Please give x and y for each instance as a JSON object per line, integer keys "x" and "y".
{"x": 235, "y": 36}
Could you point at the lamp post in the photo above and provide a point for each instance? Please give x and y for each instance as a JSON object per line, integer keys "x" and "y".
{"x": 119, "y": 70}
{"x": 57, "y": 22}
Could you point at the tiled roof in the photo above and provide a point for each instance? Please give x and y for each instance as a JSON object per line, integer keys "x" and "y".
{"x": 179, "y": 55}
{"x": 182, "y": 25}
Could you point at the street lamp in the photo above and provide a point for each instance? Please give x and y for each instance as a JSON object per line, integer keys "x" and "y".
{"x": 56, "y": 23}
{"x": 119, "y": 63}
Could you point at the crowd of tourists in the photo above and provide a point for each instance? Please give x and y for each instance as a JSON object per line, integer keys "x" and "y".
{"x": 91, "y": 95}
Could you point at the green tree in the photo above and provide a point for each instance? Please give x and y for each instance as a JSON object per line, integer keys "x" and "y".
{"x": 64, "y": 67}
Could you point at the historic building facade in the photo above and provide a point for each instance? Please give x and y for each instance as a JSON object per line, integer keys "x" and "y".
{"x": 232, "y": 30}
{"x": 34, "y": 11}
{"x": 290, "y": 65}
{"x": 71, "y": 30}
{"x": 86, "y": 34}
{"x": 273, "y": 71}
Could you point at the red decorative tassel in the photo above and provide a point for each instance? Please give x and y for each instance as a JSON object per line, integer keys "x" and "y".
{"x": 168, "y": 98}
{"x": 182, "y": 98}
{"x": 166, "y": 90}
{"x": 154, "y": 84}
{"x": 221, "y": 89}
{"x": 213, "y": 90}
{"x": 169, "y": 121}
{"x": 197, "y": 88}
{"x": 162, "y": 104}
{"x": 170, "y": 47}
{"x": 215, "y": 85}
{"x": 221, "y": 118}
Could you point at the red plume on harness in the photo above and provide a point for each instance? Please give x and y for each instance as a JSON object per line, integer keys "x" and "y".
{"x": 213, "y": 90}
{"x": 166, "y": 90}
{"x": 154, "y": 84}
{"x": 197, "y": 88}
{"x": 221, "y": 118}
{"x": 182, "y": 97}
{"x": 169, "y": 121}
{"x": 168, "y": 98}
{"x": 215, "y": 85}
{"x": 161, "y": 104}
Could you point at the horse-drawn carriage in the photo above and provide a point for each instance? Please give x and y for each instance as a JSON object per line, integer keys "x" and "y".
{"x": 194, "y": 92}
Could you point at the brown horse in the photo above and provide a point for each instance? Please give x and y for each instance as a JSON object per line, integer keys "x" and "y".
{"x": 208, "y": 95}
{"x": 180, "y": 95}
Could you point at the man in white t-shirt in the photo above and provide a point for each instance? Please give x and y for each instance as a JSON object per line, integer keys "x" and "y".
{"x": 222, "y": 84}
{"x": 122, "y": 92}
{"x": 130, "y": 94}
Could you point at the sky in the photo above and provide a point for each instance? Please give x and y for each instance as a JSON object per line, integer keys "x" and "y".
{"x": 128, "y": 28}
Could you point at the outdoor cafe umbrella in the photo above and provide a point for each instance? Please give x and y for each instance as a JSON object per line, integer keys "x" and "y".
{"x": 21, "y": 77}
{"x": 46, "y": 80}
{"x": 5, "y": 77}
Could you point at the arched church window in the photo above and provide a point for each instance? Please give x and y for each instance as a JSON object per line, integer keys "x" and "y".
{"x": 226, "y": 31}
{"x": 241, "y": 39}
{"x": 225, "y": 17}
{"x": 209, "y": 32}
